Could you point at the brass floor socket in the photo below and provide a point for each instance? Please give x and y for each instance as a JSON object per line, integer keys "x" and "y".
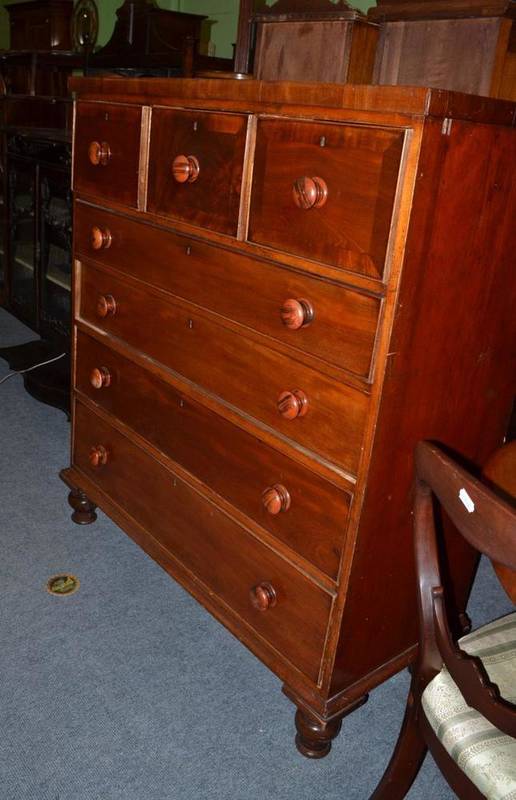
{"x": 63, "y": 585}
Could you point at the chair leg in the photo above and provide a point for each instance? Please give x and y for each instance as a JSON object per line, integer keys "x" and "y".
{"x": 407, "y": 758}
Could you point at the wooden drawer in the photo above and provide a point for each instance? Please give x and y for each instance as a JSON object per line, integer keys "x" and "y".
{"x": 310, "y": 517}
{"x": 240, "y": 371}
{"x": 220, "y": 553}
{"x": 325, "y": 191}
{"x": 263, "y": 296}
{"x": 107, "y": 151}
{"x": 195, "y": 167}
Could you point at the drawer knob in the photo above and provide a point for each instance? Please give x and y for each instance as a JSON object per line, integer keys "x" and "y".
{"x": 106, "y": 305}
{"x": 99, "y": 153}
{"x": 100, "y": 238}
{"x": 185, "y": 169}
{"x": 100, "y": 377}
{"x": 98, "y": 455}
{"x": 276, "y": 498}
{"x": 309, "y": 192}
{"x": 263, "y": 596}
{"x": 292, "y": 404}
{"x": 296, "y": 314}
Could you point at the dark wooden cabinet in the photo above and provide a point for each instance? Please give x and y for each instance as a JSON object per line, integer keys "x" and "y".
{"x": 464, "y": 46}
{"x": 247, "y": 397}
{"x": 310, "y": 40}
{"x": 40, "y": 25}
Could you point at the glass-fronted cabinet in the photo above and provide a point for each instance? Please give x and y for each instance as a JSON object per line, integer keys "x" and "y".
{"x": 40, "y": 232}
{"x": 55, "y": 241}
{"x": 22, "y": 238}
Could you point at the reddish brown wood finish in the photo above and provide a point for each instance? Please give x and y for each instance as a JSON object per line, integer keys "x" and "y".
{"x": 107, "y": 151}
{"x": 263, "y": 597}
{"x": 357, "y": 171}
{"x": 235, "y": 464}
{"x": 276, "y": 498}
{"x": 100, "y": 238}
{"x": 213, "y": 145}
{"x": 200, "y": 349}
{"x": 243, "y": 289}
{"x": 105, "y": 306}
{"x": 500, "y": 471}
{"x": 100, "y": 377}
{"x": 462, "y": 216}
{"x": 296, "y": 314}
{"x": 324, "y": 415}
{"x": 227, "y": 559}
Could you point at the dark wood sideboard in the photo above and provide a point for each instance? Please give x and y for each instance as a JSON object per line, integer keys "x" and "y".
{"x": 279, "y": 289}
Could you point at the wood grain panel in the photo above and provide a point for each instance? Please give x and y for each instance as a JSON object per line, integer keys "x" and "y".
{"x": 248, "y": 291}
{"x": 119, "y": 126}
{"x": 238, "y": 370}
{"x": 360, "y": 168}
{"x": 233, "y": 463}
{"x": 222, "y": 555}
{"x": 217, "y": 141}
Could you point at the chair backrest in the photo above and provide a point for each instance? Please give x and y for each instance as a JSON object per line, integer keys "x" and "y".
{"x": 488, "y": 523}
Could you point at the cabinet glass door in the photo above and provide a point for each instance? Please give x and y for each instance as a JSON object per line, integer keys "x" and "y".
{"x": 55, "y": 249}
{"x": 22, "y": 233}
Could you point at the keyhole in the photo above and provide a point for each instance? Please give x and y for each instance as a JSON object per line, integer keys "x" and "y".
{"x": 322, "y": 141}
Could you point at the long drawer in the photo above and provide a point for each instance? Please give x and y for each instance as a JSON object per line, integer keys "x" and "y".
{"x": 330, "y": 321}
{"x": 292, "y": 613}
{"x": 291, "y": 502}
{"x": 301, "y": 403}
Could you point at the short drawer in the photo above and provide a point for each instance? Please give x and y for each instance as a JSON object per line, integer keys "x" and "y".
{"x": 294, "y": 504}
{"x": 330, "y": 321}
{"x": 221, "y": 554}
{"x": 195, "y": 167}
{"x": 325, "y": 191}
{"x": 301, "y": 403}
{"x": 107, "y": 151}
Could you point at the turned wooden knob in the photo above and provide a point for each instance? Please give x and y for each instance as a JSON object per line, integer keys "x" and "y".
{"x": 292, "y": 404}
{"x": 99, "y": 153}
{"x": 100, "y": 377}
{"x": 263, "y": 596}
{"x": 296, "y": 314}
{"x": 185, "y": 169}
{"x": 276, "y": 498}
{"x": 100, "y": 238}
{"x": 98, "y": 455}
{"x": 106, "y": 305}
{"x": 309, "y": 192}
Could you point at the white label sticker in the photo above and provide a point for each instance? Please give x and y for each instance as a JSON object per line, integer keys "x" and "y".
{"x": 466, "y": 500}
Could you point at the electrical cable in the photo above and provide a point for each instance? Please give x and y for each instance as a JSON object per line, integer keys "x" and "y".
{"x": 28, "y": 369}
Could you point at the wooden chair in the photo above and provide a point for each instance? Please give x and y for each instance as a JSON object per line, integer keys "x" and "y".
{"x": 459, "y": 704}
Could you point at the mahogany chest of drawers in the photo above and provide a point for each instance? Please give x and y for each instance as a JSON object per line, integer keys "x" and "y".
{"x": 280, "y": 288}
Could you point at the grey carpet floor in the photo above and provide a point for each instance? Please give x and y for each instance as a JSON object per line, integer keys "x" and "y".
{"x": 128, "y": 689}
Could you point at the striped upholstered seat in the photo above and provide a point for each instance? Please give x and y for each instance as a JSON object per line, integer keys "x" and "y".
{"x": 485, "y": 754}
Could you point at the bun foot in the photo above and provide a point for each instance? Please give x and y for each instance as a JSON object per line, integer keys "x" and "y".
{"x": 314, "y": 737}
{"x": 83, "y": 509}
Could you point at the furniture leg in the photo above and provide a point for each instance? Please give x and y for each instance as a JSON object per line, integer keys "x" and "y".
{"x": 84, "y": 509}
{"x": 407, "y": 758}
